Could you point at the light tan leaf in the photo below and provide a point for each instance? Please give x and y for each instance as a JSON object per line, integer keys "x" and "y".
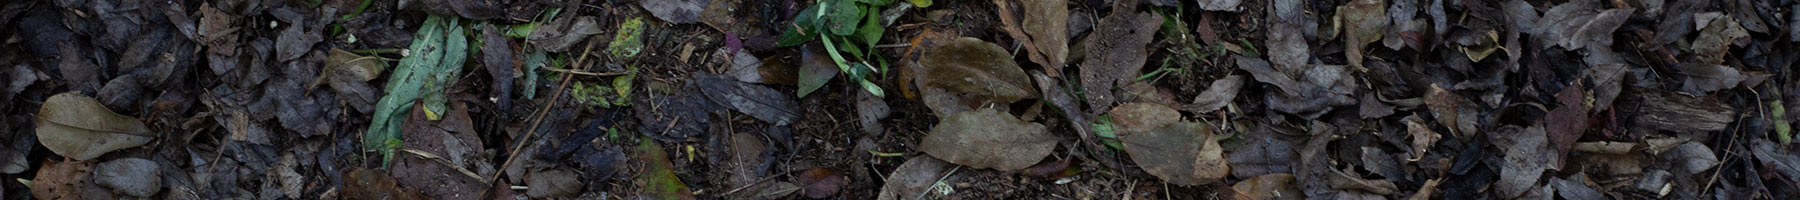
{"x": 78, "y": 127}
{"x": 988, "y": 138}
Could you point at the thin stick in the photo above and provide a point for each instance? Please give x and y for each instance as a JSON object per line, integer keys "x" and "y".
{"x": 539, "y": 119}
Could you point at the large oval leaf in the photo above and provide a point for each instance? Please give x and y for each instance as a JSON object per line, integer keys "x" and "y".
{"x": 77, "y": 126}
{"x": 988, "y": 138}
{"x": 1182, "y": 153}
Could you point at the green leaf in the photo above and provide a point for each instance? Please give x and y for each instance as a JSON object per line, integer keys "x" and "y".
{"x": 533, "y": 61}
{"x": 422, "y": 73}
{"x": 628, "y": 42}
{"x": 793, "y": 36}
{"x": 920, "y": 3}
{"x": 622, "y": 85}
{"x": 853, "y": 49}
{"x": 1104, "y": 128}
{"x": 843, "y": 17}
{"x": 659, "y": 174}
{"x": 876, "y": 2}
{"x": 871, "y": 30}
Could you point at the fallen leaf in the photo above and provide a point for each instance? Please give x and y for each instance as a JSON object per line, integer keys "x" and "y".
{"x": 659, "y": 175}
{"x": 295, "y": 42}
{"x": 472, "y": 9}
{"x": 748, "y": 68}
{"x": 758, "y": 101}
{"x": 1345, "y": 181}
{"x": 1218, "y": 95}
{"x": 1115, "y": 52}
{"x": 1184, "y": 153}
{"x": 134, "y": 177}
{"x": 670, "y": 117}
{"x": 1690, "y": 157}
{"x": 1527, "y": 156}
{"x": 1364, "y": 22}
{"x": 452, "y": 138}
{"x": 438, "y": 52}
{"x": 1043, "y": 26}
{"x": 1143, "y": 117}
{"x": 1574, "y": 190}
{"x": 1422, "y": 136}
{"x": 497, "y": 57}
{"x": 1270, "y": 186}
{"x": 1426, "y": 190}
{"x": 913, "y": 178}
{"x": 819, "y": 182}
{"x": 816, "y": 68}
{"x": 1700, "y": 79}
{"x": 870, "y": 109}
{"x": 60, "y": 179}
{"x": 629, "y": 39}
{"x": 676, "y": 11}
{"x": 1566, "y": 123}
{"x": 564, "y": 32}
{"x": 17, "y": 146}
{"x": 1220, "y": 5}
{"x": 988, "y": 138}
{"x": 1445, "y": 107}
{"x": 1264, "y": 151}
{"x": 1716, "y": 39}
{"x": 1308, "y": 92}
{"x": 1575, "y": 25}
{"x": 972, "y": 67}
{"x": 1057, "y": 95}
{"x": 348, "y": 75}
{"x": 553, "y": 183}
{"x": 78, "y": 127}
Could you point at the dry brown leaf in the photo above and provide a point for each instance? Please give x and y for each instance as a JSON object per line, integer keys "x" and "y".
{"x": 1115, "y": 52}
{"x": 1270, "y": 186}
{"x": 988, "y": 138}
{"x": 1183, "y": 153}
{"x": 78, "y": 127}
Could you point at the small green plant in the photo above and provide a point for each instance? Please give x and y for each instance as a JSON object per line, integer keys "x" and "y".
{"x": 843, "y": 27}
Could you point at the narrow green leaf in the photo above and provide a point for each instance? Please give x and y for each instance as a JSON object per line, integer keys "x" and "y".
{"x": 920, "y": 3}
{"x": 843, "y": 17}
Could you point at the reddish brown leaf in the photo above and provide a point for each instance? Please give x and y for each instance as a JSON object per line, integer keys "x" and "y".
{"x": 1567, "y": 122}
{"x": 819, "y": 182}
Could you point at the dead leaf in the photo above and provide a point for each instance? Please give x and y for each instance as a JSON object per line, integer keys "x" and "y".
{"x": 1115, "y": 52}
{"x": 497, "y": 57}
{"x": 60, "y": 179}
{"x": 553, "y": 183}
{"x": 1184, "y": 153}
{"x": 1700, "y": 79}
{"x": 1220, "y": 5}
{"x": 1308, "y": 92}
{"x": 816, "y": 68}
{"x": 1270, "y": 186}
{"x": 870, "y": 109}
{"x": 1690, "y": 157}
{"x": 1445, "y": 107}
{"x": 1422, "y": 136}
{"x": 1143, "y": 117}
{"x": 559, "y": 35}
{"x": 913, "y": 178}
{"x": 1527, "y": 156}
{"x": 78, "y": 127}
{"x": 659, "y": 175}
{"x": 969, "y": 73}
{"x": 1716, "y": 39}
{"x": 748, "y": 68}
{"x": 819, "y": 182}
{"x": 472, "y": 9}
{"x": 761, "y": 102}
{"x": 988, "y": 138}
{"x": 1574, "y": 190}
{"x": 670, "y": 117}
{"x": 1575, "y": 25}
{"x": 452, "y": 138}
{"x": 1043, "y": 26}
{"x": 676, "y": 11}
{"x": 1218, "y": 95}
{"x": 1345, "y": 181}
{"x": 135, "y": 177}
{"x": 1364, "y": 22}
{"x": 1566, "y": 123}
{"x": 1426, "y": 190}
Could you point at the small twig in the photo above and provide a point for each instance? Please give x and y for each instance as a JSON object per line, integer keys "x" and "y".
{"x": 758, "y": 182}
{"x": 441, "y": 160}
{"x": 539, "y": 120}
{"x": 585, "y": 73}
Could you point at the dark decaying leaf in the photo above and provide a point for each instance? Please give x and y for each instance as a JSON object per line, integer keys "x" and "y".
{"x": 816, "y": 68}
{"x": 913, "y": 178}
{"x": 1263, "y": 152}
{"x": 497, "y": 58}
{"x": 1422, "y": 136}
{"x": 988, "y": 138}
{"x": 1576, "y": 24}
{"x": 1661, "y": 110}
{"x": 453, "y": 138}
{"x": 77, "y": 127}
{"x": 673, "y": 117}
{"x": 1270, "y": 186}
{"x": 1528, "y": 154}
{"x": 1185, "y": 153}
{"x": 1218, "y": 95}
{"x": 1143, "y": 117}
{"x": 1220, "y": 5}
{"x": 870, "y": 109}
{"x": 348, "y": 75}
{"x": 16, "y": 146}
{"x": 553, "y": 183}
{"x": 472, "y": 9}
{"x": 969, "y": 73}
{"x": 1309, "y": 91}
{"x": 1574, "y": 190}
{"x": 1700, "y": 79}
{"x": 1115, "y": 52}
{"x": 758, "y": 101}
{"x": 1364, "y": 22}
{"x": 1043, "y": 26}
{"x": 748, "y": 68}
{"x": 1716, "y": 38}
{"x": 677, "y": 11}
{"x": 1058, "y": 95}
{"x": 135, "y": 177}
{"x": 1566, "y": 123}
{"x": 819, "y": 182}
{"x": 564, "y": 32}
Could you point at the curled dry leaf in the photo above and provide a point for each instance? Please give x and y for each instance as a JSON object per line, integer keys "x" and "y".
{"x": 1184, "y": 153}
{"x": 78, "y": 127}
{"x": 1422, "y": 136}
{"x": 1041, "y": 25}
{"x": 1365, "y": 21}
{"x": 1218, "y": 95}
{"x": 988, "y": 138}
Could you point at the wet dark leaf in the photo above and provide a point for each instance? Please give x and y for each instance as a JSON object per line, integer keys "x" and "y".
{"x": 497, "y": 57}
{"x": 819, "y": 182}
{"x": 758, "y": 101}
{"x": 363, "y": 183}
{"x": 674, "y": 117}
{"x": 295, "y": 42}
{"x": 1270, "y": 186}
{"x": 1218, "y": 95}
{"x": 1309, "y": 91}
{"x": 988, "y": 138}
{"x": 1364, "y": 22}
{"x": 472, "y": 9}
{"x": 134, "y": 177}
{"x": 1220, "y": 5}
{"x": 77, "y": 127}
{"x": 1566, "y": 123}
{"x": 554, "y": 183}
{"x": 870, "y": 109}
{"x": 1528, "y": 154}
{"x": 1576, "y": 24}
{"x": 816, "y": 69}
{"x": 453, "y": 139}
{"x": 1185, "y": 153}
{"x": 1115, "y": 52}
